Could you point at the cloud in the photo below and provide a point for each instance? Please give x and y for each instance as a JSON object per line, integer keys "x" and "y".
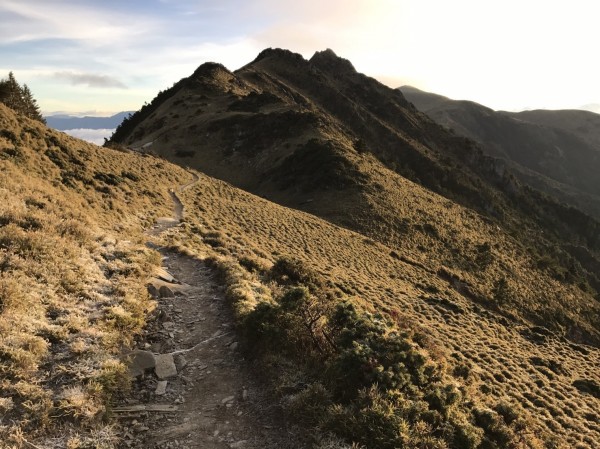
{"x": 89, "y": 79}
{"x": 82, "y": 21}
{"x": 91, "y": 135}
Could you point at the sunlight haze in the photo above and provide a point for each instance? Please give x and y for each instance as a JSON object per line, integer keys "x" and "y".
{"x": 112, "y": 56}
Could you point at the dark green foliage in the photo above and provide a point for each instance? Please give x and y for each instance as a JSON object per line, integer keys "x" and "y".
{"x": 131, "y": 176}
{"x": 253, "y": 102}
{"x": 484, "y": 256}
{"x": 250, "y": 264}
{"x": 108, "y": 178}
{"x": 9, "y": 135}
{"x": 250, "y": 134}
{"x": 318, "y": 165}
{"x": 19, "y": 98}
{"x": 501, "y": 292}
{"x": 380, "y": 387}
{"x": 290, "y": 271}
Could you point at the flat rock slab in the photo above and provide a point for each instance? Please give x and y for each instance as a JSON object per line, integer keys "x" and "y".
{"x": 161, "y": 387}
{"x": 165, "y": 366}
{"x": 164, "y": 275}
{"x": 140, "y": 361}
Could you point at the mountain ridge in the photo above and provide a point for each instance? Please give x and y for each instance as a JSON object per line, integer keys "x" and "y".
{"x": 555, "y": 151}
{"x": 309, "y": 136}
{"x": 65, "y": 122}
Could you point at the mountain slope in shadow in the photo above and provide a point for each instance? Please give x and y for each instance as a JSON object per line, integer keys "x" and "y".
{"x": 555, "y": 151}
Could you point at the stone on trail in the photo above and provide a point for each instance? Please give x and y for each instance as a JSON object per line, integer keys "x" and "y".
{"x": 180, "y": 362}
{"x": 227, "y": 399}
{"x": 164, "y": 275}
{"x": 165, "y": 292}
{"x": 165, "y": 366}
{"x": 140, "y": 361}
{"x": 153, "y": 291}
{"x": 161, "y": 387}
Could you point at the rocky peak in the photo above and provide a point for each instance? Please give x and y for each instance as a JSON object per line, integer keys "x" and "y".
{"x": 280, "y": 54}
{"x": 329, "y": 61}
{"x": 211, "y": 70}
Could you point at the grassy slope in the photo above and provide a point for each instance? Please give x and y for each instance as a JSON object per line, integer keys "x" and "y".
{"x": 343, "y": 146}
{"x": 76, "y": 329}
{"x": 73, "y": 265}
{"x": 507, "y": 361}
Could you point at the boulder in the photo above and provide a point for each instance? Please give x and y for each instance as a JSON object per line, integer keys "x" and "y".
{"x": 140, "y": 361}
{"x": 165, "y": 366}
{"x": 165, "y": 292}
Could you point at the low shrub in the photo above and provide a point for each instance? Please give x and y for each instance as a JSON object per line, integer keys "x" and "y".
{"x": 366, "y": 381}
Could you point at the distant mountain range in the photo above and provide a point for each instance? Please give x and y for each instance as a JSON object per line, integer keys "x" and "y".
{"x": 557, "y": 151}
{"x": 67, "y": 122}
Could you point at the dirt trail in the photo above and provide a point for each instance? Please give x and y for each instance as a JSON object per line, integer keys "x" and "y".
{"x": 164, "y": 223}
{"x": 213, "y": 401}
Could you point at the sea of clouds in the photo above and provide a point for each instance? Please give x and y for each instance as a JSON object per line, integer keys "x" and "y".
{"x": 91, "y": 135}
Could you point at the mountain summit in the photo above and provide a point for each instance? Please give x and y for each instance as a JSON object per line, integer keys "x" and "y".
{"x": 454, "y": 225}
{"x": 318, "y": 136}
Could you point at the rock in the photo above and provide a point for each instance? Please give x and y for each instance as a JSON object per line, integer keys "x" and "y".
{"x": 161, "y": 387}
{"x": 233, "y": 346}
{"x": 168, "y": 325}
{"x": 228, "y": 399}
{"x": 165, "y": 292}
{"x": 164, "y": 275}
{"x": 153, "y": 291}
{"x": 180, "y": 362}
{"x": 165, "y": 366}
{"x": 140, "y": 361}
{"x": 245, "y": 395}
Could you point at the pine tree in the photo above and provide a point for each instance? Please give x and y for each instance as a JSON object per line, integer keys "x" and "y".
{"x": 31, "y": 108}
{"x": 19, "y": 98}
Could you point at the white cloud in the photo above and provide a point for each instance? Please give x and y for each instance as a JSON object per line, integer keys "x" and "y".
{"x": 89, "y": 79}
{"x": 42, "y": 19}
{"x": 91, "y": 135}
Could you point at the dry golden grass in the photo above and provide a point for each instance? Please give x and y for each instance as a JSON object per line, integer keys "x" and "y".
{"x": 73, "y": 265}
{"x": 495, "y": 359}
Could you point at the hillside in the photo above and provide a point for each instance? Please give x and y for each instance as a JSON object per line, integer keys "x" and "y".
{"x": 318, "y": 136}
{"x": 73, "y": 268}
{"x": 398, "y": 229}
{"x": 392, "y": 284}
{"x": 555, "y": 151}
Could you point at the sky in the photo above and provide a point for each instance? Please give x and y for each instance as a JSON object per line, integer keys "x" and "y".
{"x": 102, "y": 57}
